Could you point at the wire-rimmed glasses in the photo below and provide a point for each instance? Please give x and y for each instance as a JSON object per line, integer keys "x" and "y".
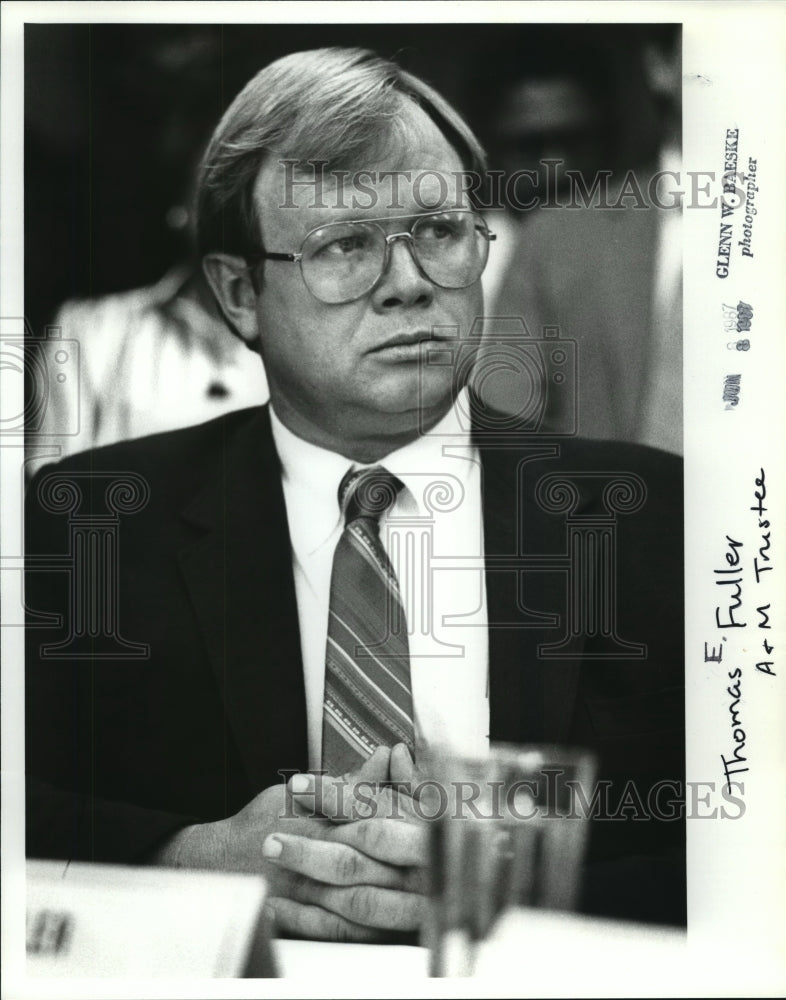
{"x": 343, "y": 261}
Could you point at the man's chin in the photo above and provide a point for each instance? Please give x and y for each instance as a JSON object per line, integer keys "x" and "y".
{"x": 427, "y": 393}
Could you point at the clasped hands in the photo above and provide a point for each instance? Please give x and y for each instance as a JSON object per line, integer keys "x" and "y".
{"x": 344, "y": 858}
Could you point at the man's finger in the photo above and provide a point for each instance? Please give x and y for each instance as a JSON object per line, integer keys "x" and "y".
{"x": 355, "y": 795}
{"x": 290, "y": 917}
{"x": 391, "y": 841}
{"x": 361, "y": 788}
{"x": 382, "y": 787}
{"x": 346, "y": 803}
{"x": 364, "y": 905}
{"x": 374, "y": 768}
{"x": 335, "y": 864}
{"x": 332, "y": 798}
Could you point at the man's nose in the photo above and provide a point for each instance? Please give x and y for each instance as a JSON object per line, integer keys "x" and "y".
{"x": 402, "y": 283}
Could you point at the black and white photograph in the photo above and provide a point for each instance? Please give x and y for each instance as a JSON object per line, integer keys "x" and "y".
{"x": 392, "y": 452}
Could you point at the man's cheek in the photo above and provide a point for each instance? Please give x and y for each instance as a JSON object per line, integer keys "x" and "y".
{"x": 463, "y": 307}
{"x": 434, "y": 382}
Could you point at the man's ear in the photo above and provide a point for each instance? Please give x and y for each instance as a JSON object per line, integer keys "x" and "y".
{"x": 230, "y": 281}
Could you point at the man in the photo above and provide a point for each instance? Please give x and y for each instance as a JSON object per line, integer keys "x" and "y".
{"x": 234, "y": 638}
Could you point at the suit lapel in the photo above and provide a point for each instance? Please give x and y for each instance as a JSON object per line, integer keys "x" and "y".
{"x": 239, "y": 577}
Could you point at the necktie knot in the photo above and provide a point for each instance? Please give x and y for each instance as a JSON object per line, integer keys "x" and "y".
{"x": 368, "y": 493}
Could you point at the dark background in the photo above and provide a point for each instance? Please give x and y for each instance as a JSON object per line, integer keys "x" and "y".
{"x": 116, "y": 115}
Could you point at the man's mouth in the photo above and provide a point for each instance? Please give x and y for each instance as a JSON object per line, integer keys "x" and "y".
{"x": 411, "y": 339}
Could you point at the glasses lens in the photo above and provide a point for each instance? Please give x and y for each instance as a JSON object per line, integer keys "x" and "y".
{"x": 451, "y": 247}
{"x": 341, "y": 261}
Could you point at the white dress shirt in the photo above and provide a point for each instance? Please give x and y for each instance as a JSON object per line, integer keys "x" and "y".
{"x": 433, "y": 536}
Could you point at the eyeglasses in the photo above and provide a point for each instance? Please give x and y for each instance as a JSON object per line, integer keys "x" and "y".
{"x": 343, "y": 261}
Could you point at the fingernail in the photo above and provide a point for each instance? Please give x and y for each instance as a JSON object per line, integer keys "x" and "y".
{"x": 272, "y": 848}
{"x": 301, "y": 783}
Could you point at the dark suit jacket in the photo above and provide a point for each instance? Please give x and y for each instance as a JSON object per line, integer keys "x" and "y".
{"x": 123, "y": 749}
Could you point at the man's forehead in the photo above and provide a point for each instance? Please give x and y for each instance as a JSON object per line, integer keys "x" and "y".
{"x": 423, "y": 174}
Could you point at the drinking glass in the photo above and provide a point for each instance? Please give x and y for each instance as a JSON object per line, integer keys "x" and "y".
{"x": 508, "y": 830}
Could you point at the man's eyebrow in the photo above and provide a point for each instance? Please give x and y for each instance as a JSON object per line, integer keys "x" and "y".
{"x": 352, "y": 216}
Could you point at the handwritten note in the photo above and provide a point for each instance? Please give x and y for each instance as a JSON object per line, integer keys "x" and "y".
{"x": 743, "y": 603}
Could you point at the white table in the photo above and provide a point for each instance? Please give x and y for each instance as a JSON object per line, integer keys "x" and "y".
{"x": 548, "y": 951}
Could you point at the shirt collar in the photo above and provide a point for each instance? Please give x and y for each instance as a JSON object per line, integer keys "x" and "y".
{"x": 311, "y": 475}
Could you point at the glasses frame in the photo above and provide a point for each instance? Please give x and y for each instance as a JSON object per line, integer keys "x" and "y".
{"x": 254, "y": 259}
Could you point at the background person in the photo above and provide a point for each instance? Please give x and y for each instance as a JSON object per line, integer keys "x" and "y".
{"x": 609, "y": 278}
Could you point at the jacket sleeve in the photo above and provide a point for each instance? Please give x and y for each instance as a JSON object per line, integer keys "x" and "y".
{"x": 651, "y": 889}
{"x": 65, "y": 818}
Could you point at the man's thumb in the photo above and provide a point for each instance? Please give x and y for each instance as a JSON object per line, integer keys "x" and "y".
{"x": 402, "y": 767}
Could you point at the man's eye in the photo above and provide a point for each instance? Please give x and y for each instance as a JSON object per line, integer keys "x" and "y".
{"x": 438, "y": 231}
{"x": 345, "y": 246}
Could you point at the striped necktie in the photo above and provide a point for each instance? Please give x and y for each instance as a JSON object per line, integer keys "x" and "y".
{"x": 368, "y": 695}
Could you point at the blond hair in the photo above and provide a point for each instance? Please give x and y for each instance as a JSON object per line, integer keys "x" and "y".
{"x": 334, "y": 105}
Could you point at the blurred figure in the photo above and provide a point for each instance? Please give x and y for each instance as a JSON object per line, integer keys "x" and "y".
{"x": 661, "y": 422}
{"x": 151, "y": 359}
{"x": 158, "y": 356}
{"x": 608, "y": 278}
{"x": 539, "y": 108}
{"x": 541, "y": 121}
